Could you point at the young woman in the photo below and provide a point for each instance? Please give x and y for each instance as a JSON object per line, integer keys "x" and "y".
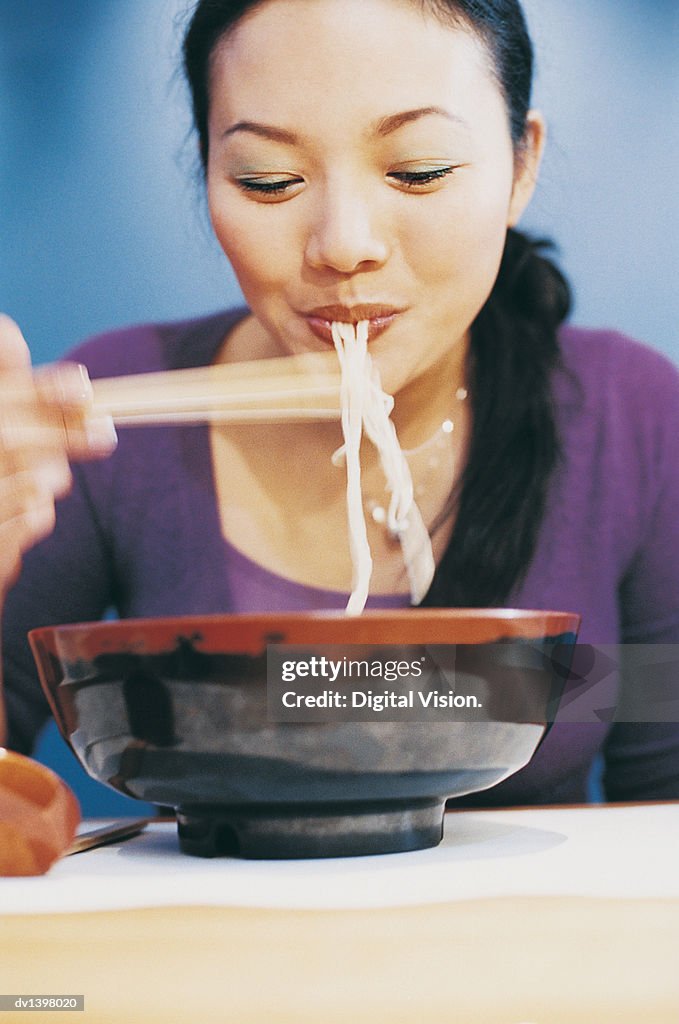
{"x": 367, "y": 160}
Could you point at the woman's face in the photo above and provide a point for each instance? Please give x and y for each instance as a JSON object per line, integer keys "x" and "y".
{"x": 361, "y": 167}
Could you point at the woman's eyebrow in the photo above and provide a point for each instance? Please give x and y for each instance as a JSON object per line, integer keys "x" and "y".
{"x": 265, "y": 131}
{"x": 384, "y": 126}
{"x": 391, "y": 123}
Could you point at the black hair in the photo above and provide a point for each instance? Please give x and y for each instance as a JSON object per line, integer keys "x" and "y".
{"x": 210, "y": 22}
{"x": 500, "y": 499}
{"x": 501, "y": 496}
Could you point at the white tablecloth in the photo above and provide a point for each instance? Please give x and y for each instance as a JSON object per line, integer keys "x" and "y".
{"x": 613, "y": 852}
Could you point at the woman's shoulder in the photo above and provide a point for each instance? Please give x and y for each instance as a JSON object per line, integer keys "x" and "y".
{"x": 147, "y": 347}
{"x": 609, "y": 363}
{"x": 617, "y": 400}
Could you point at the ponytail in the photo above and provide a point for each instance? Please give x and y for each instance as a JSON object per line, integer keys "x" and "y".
{"x": 500, "y": 500}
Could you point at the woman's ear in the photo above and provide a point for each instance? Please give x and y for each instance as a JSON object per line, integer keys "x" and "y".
{"x": 528, "y": 158}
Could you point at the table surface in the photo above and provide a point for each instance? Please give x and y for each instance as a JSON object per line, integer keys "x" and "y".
{"x": 549, "y": 916}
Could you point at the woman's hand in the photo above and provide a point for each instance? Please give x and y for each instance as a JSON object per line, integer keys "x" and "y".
{"x": 44, "y": 422}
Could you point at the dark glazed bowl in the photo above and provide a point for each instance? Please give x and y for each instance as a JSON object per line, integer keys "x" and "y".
{"x": 174, "y": 712}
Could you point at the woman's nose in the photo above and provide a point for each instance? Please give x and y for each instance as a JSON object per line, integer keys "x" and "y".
{"x": 345, "y": 235}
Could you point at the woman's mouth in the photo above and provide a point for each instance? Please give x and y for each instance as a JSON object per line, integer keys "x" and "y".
{"x": 379, "y": 318}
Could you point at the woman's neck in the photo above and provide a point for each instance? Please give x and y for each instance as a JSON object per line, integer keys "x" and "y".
{"x": 433, "y": 397}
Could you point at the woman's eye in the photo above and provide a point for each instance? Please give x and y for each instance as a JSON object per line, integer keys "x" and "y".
{"x": 415, "y": 179}
{"x": 269, "y": 187}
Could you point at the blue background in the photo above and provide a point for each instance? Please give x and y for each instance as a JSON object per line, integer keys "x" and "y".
{"x": 102, "y": 220}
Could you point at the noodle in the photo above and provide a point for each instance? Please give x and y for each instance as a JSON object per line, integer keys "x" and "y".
{"x": 352, "y": 351}
{"x": 366, "y": 406}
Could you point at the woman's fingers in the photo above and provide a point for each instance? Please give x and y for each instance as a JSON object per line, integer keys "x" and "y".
{"x": 27, "y": 509}
{"x": 45, "y": 428}
{"x": 51, "y": 410}
{"x": 27, "y": 502}
{"x": 46, "y": 419}
{"x": 64, "y": 384}
{"x": 14, "y": 353}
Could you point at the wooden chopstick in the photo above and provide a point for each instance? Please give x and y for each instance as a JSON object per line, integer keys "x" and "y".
{"x": 266, "y": 390}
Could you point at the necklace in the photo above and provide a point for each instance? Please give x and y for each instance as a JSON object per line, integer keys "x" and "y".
{"x": 435, "y": 448}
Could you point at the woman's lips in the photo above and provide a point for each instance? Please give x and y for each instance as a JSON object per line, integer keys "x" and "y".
{"x": 322, "y": 326}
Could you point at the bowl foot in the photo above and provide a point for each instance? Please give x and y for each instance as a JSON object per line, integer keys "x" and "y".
{"x": 269, "y": 832}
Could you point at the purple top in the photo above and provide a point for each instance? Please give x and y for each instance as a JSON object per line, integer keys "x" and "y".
{"x": 140, "y": 531}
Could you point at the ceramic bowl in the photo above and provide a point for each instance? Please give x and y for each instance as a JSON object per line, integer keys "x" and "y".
{"x": 178, "y": 712}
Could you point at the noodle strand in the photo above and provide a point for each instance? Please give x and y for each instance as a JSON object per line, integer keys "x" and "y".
{"x": 352, "y": 351}
{"x": 366, "y": 406}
